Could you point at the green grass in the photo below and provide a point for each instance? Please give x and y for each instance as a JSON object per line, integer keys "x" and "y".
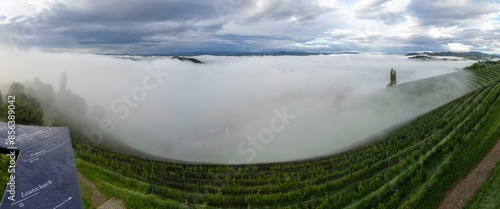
{"x": 488, "y": 195}
{"x": 4, "y": 174}
{"x": 131, "y": 191}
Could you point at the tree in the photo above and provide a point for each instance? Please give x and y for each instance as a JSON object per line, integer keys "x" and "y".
{"x": 16, "y": 89}
{"x": 393, "y": 79}
{"x": 476, "y": 66}
{"x": 43, "y": 92}
{"x": 28, "y": 109}
{"x": 0, "y": 97}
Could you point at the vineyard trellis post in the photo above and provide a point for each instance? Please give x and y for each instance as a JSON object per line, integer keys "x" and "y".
{"x": 151, "y": 187}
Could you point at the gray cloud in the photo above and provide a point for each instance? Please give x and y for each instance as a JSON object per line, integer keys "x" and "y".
{"x": 156, "y": 26}
{"x": 376, "y": 11}
{"x": 115, "y": 25}
{"x": 103, "y": 24}
{"x": 302, "y": 10}
{"x": 449, "y": 13}
{"x": 131, "y": 11}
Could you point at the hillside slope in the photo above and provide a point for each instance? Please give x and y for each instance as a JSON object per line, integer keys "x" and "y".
{"x": 411, "y": 167}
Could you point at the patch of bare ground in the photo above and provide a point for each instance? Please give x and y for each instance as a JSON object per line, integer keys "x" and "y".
{"x": 112, "y": 204}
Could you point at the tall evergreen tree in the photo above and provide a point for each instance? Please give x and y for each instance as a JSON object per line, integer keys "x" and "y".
{"x": 395, "y": 81}
{"x": 392, "y": 76}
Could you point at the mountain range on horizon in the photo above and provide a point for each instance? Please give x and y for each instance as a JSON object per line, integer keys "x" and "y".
{"x": 474, "y": 55}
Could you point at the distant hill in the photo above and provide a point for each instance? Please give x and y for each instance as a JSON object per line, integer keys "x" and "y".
{"x": 230, "y": 53}
{"x": 453, "y": 55}
{"x": 190, "y": 59}
{"x": 420, "y": 57}
{"x": 256, "y": 53}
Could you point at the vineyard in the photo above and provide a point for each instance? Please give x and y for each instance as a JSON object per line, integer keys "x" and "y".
{"x": 411, "y": 167}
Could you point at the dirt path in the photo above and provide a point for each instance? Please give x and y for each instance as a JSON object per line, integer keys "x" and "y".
{"x": 465, "y": 189}
{"x": 112, "y": 204}
{"x": 89, "y": 189}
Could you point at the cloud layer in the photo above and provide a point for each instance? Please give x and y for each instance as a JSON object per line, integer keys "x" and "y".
{"x": 301, "y": 107}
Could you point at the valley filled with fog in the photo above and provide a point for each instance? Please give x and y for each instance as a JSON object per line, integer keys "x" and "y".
{"x": 232, "y": 109}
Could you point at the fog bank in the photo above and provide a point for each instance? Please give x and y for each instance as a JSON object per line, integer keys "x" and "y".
{"x": 231, "y": 109}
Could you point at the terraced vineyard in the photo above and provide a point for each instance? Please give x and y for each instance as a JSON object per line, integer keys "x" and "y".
{"x": 412, "y": 167}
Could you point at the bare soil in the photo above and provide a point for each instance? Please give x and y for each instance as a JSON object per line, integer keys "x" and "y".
{"x": 112, "y": 204}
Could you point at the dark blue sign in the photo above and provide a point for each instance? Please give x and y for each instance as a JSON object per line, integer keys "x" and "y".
{"x": 43, "y": 171}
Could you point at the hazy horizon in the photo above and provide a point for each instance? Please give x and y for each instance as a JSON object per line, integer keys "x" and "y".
{"x": 174, "y": 26}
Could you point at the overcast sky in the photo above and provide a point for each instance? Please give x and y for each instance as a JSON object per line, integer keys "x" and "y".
{"x": 166, "y": 26}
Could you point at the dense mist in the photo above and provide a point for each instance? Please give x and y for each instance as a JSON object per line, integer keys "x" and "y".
{"x": 231, "y": 109}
